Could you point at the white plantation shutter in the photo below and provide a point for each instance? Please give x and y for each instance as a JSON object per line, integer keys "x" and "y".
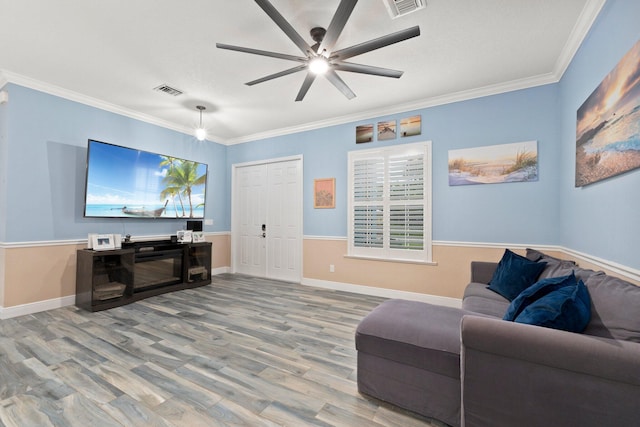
{"x": 368, "y": 191}
{"x": 390, "y": 202}
{"x": 368, "y": 226}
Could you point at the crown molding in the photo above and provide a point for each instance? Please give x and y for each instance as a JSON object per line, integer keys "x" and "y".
{"x": 466, "y": 95}
{"x": 579, "y": 32}
{"x": 544, "y": 79}
{"x": 28, "y": 82}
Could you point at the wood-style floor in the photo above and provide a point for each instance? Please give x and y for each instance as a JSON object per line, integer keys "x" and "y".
{"x": 241, "y": 351}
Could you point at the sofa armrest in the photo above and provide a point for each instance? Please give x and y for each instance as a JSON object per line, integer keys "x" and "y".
{"x": 482, "y": 271}
{"x": 515, "y": 374}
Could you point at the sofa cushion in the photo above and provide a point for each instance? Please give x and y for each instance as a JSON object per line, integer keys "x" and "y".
{"x": 613, "y": 305}
{"x": 418, "y": 334}
{"x": 514, "y": 274}
{"x": 555, "y": 266}
{"x": 535, "y": 255}
{"x": 479, "y": 299}
{"x": 558, "y": 303}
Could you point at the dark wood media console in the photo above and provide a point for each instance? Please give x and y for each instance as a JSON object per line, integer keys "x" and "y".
{"x": 107, "y": 279}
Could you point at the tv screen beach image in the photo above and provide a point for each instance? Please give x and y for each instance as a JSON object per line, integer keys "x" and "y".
{"x": 128, "y": 183}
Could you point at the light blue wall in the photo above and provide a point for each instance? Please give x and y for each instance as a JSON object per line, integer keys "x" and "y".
{"x": 47, "y": 149}
{"x": 600, "y": 219}
{"x": 43, "y": 142}
{"x": 4, "y": 156}
{"x": 507, "y": 213}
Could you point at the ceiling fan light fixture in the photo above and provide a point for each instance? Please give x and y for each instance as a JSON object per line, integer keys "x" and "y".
{"x": 318, "y": 65}
{"x": 201, "y": 132}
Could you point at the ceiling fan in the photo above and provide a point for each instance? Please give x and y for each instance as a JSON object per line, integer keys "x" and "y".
{"x": 320, "y": 58}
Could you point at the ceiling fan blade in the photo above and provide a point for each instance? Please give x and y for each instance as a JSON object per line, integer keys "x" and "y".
{"x": 305, "y": 86}
{"x": 337, "y": 24}
{"x": 276, "y": 75}
{"x": 260, "y": 52}
{"x": 367, "y": 69}
{"x": 333, "y": 77}
{"x": 284, "y": 25}
{"x": 378, "y": 43}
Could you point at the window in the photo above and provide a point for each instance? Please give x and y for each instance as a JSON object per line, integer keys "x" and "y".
{"x": 390, "y": 202}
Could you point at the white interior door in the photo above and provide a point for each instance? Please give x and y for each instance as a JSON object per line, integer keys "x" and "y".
{"x": 284, "y": 204}
{"x": 267, "y": 230}
{"x": 251, "y": 214}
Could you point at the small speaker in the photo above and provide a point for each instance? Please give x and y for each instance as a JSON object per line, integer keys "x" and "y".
{"x": 194, "y": 225}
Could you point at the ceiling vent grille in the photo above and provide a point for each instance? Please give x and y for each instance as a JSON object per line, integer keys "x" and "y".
{"x": 168, "y": 90}
{"x": 398, "y": 8}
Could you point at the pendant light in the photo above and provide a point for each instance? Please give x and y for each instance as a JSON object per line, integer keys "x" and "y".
{"x": 201, "y": 132}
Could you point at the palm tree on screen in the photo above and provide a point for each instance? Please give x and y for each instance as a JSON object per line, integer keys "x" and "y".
{"x": 182, "y": 176}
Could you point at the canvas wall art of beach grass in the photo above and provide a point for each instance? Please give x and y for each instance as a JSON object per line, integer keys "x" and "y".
{"x": 494, "y": 164}
{"x": 608, "y": 124}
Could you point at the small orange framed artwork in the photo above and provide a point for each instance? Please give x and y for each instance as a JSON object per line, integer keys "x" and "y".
{"x": 324, "y": 193}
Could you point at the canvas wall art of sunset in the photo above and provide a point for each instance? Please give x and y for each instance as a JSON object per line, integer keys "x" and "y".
{"x": 608, "y": 124}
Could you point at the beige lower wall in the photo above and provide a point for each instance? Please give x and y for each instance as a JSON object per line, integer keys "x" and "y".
{"x": 447, "y": 278}
{"x": 221, "y": 250}
{"x": 40, "y": 273}
{"x": 2, "y": 275}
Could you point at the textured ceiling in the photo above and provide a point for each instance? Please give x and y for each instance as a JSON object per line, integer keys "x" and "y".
{"x": 111, "y": 54}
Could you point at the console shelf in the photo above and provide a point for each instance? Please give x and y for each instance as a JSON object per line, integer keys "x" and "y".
{"x": 107, "y": 279}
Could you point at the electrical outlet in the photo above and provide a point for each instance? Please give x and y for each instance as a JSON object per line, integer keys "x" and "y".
{"x": 208, "y": 222}
{"x": 332, "y": 268}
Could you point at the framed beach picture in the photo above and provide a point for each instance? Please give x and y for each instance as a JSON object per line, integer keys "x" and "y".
{"x": 411, "y": 126}
{"x": 324, "y": 193}
{"x": 386, "y": 130}
{"x": 364, "y": 133}
{"x": 608, "y": 124}
{"x": 493, "y": 164}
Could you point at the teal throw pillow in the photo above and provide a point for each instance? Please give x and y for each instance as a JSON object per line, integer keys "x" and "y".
{"x": 514, "y": 274}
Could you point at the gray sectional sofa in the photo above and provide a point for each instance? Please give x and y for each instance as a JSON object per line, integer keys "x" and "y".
{"x": 470, "y": 367}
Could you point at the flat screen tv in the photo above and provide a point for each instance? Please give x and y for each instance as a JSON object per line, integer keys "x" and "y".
{"x": 124, "y": 182}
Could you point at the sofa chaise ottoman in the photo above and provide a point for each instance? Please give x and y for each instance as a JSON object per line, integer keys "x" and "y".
{"x": 470, "y": 367}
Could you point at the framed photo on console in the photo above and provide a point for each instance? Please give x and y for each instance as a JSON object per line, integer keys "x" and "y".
{"x": 102, "y": 242}
{"x": 184, "y": 236}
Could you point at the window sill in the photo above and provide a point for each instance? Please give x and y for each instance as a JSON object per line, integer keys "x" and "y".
{"x": 402, "y": 261}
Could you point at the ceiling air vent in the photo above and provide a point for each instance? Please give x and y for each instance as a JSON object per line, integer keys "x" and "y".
{"x": 168, "y": 90}
{"x": 398, "y": 8}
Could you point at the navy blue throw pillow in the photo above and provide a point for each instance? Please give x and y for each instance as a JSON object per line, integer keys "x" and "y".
{"x": 537, "y": 291}
{"x": 514, "y": 274}
{"x": 567, "y": 308}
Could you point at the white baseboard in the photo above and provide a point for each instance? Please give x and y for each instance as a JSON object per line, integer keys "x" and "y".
{"x": 383, "y": 292}
{"x": 35, "y": 307}
{"x": 220, "y": 270}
